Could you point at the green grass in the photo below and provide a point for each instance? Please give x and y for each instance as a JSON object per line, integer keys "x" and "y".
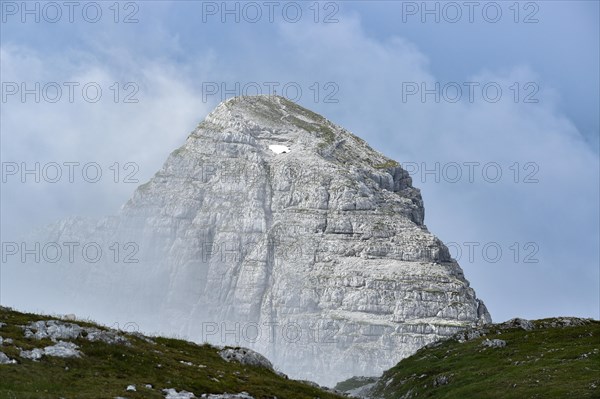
{"x": 387, "y": 164}
{"x": 547, "y": 362}
{"x": 205, "y": 125}
{"x": 354, "y": 382}
{"x": 318, "y": 125}
{"x": 105, "y": 370}
{"x": 322, "y": 130}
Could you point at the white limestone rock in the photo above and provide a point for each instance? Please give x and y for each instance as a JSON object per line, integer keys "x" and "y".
{"x": 62, "y": 349}
{"x": 171, "y": 393}
{"x": 34, "y": 354}
{"x": 245, "y": 356}
{"x": 4, "y": 359}
{"x": 317, "y": 258}
{"x": 57, "y": 329}
{"x": 493, "y": 343}
{"x": 241, "y": 395}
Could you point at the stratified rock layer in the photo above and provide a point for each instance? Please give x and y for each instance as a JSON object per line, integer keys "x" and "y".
{"x": 273, "y": 228}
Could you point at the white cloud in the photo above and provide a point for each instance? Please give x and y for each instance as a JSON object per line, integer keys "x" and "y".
{"x": 559, "y": 213}
{"x": 105, "y": 132}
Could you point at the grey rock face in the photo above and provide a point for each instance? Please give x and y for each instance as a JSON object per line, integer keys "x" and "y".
{"x": 316, "y": 256}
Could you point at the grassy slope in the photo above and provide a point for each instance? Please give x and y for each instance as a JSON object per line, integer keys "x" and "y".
{"x": 105, "y": 370}
{"x": 553, "y": 362}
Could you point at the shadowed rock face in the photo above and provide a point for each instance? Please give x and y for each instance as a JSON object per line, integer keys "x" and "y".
{"x": 317, "y": 256}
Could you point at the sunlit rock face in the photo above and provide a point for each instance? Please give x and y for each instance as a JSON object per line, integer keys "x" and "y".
{"x": 274, "y": 229}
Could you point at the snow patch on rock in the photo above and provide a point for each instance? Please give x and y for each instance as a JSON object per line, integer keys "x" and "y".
{"x": 279, "y": 149}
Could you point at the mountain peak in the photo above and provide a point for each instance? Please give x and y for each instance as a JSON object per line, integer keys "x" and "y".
{"x": 270, "y": 120}
{"x": 272, "y": 220}
{"x": 269, "y": 115}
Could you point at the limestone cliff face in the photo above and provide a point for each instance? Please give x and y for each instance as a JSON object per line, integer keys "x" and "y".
{"x": 273, "y": 228}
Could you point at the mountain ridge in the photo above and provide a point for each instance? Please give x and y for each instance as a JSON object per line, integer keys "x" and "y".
{"x": 554, "y": 357}
{"x": 112, "y": 363}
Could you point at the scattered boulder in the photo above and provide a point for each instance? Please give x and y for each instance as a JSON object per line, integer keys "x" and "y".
{"x": 5, "y": 359}
{"x": 52, "y": 329}
{"x": 57, "y": 329}
{"x": 109, "y": 337}
{"x": 34, "y": 354}
{"x": 494, "y": 343}
{"x": 468, "y": 335}
{"x": 564, "y": 322}
{"x": 311, "y": 383}
{"x": 173, "y": 394}
{"x": 245, "y": 356}
{"x": 441, "y": 380}
{"x": 61, "y": 349}
{"x": 517, "y": 323}
{"x": 241, "y": 395}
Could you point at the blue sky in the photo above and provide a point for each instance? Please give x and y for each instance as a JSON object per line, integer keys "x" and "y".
{"x": 544, "y": 207}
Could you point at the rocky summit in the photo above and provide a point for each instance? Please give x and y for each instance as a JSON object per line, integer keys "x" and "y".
{"x": 275, "y": 229}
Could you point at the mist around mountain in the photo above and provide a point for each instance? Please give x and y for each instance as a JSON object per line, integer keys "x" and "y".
{"x": 271, "y": 228}
{"x": 105, "y": 363}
